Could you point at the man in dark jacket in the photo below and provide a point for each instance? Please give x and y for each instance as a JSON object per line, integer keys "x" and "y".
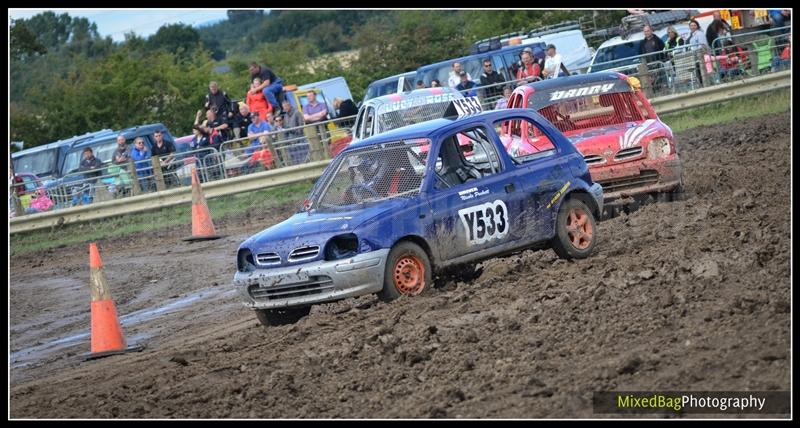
{"x": 654, "y": 46}
{"x": 345, "y": 108}
{"x": 218, "y": 101}
{"x": 89, "y": 163}
{"x": 491, "y": 77}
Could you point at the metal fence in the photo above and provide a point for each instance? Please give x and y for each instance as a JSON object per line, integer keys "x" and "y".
{"x": 689, "y": 67}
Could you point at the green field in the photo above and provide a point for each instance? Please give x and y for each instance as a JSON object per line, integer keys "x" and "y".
{"x": 769, "y": 103}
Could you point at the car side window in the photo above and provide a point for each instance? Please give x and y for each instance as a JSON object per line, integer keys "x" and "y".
{"x": 523, "y": 139}
{"x": 465, "y": 156}
{"x": 369, "y": 121}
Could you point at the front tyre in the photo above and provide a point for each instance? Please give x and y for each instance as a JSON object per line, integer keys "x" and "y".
{"x": 575, "y": 230}
{"x": 284, "y": 316}
{"x": 408, "y": 271}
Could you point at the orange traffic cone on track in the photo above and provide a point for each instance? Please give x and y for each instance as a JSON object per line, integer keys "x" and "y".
{"x": 202, "y": 225}
{"x": 107, "y": 337}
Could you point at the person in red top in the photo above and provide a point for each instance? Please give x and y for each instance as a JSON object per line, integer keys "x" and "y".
{"x": 256, "y": 102}
{"x": 731, "y": 59}
{"x": 530, "y": 70}
{"x": 261, "y": 154}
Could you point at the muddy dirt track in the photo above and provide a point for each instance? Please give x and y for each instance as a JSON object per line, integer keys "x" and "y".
{"x": 687, "y": 295}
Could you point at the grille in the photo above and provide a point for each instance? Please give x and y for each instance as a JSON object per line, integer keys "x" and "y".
{"x": 266, "y": 259}
{"x": 303, "y": 253}
{"x": 314, "y": 285}
{"x": 646, "y": 177}
{"x": 630, "y": 153}
{"x": 594, "y": 159}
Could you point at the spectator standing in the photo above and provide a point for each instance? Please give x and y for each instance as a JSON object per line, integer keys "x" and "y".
{"x": 530, "y": 71}
{"x": 271, "y": 85}
{"x": 217, "y": 100}
{"x": 345, "y": 108}
{"x": 491, "y": 77}
{"x": 717, "y": 28}
{"x": 165, "y": 150}
{"x": 553, "y": 64}
{"x": 92, "y": 166}
{"x": 256, "y": 128}
{"x": 732, "y": 58}
{"x": 697, "y": 37}
{"x": 673, "y": 40}
{"x": 141, "y": 157}
{"x": 455, "y": 75}
{"x": 315, "y": 112}
{"x": 651, "y": 44}
{"x": 122, "y": 154}
{"x": 292, "y": 121}
{"x": 503, "y": 102}
{"x": 467, "y": 86}
{"x": 778, "y": 18}
{"x": 256, "y": 102}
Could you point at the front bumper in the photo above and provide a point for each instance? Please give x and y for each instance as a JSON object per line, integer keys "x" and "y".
{"x": 317, "y": 282}
{"x": 640, "y": 177}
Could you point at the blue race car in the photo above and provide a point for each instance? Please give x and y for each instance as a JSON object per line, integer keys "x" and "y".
{"x": 392, "y": 210}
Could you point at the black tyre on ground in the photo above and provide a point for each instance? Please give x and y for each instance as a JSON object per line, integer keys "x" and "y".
{"x": 576, "y": 233}
{"x": 408, "y": 271}
{"x": 275, "y": 317}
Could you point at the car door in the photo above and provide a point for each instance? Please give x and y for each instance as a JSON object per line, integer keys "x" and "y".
{"x": 474, "y": 214}
{"x": 543, "y": 172}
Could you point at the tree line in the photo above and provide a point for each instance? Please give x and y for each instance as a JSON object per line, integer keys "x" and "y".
{"x": 67, "y": 80}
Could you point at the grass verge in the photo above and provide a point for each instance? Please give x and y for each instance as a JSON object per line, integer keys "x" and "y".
{"x": 773, "y": 102}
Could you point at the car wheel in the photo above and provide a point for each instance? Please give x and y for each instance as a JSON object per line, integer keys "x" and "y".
{"x": 408, "y": 272}
{"x": 275, "y": 317}
{"x": 575, "y": 230}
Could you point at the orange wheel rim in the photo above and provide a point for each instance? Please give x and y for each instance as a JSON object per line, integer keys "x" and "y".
{"x": 409, "y": 275}
{"x": 579, "y": 228}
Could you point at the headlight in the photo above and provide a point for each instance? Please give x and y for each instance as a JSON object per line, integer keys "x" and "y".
{"x": 341, "y": 247}
{"x": 658, "y": 148}
{"x": 244, "y": 261}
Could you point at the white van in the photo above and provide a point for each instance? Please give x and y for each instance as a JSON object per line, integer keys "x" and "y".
{"x": 569, "y": 42}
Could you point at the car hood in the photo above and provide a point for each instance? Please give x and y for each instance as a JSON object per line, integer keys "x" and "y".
{"x": 315, "y": 227}
{"x": 614, "y": 137}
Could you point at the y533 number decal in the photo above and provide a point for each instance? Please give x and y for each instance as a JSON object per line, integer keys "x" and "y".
{"x": 485, "y": 222}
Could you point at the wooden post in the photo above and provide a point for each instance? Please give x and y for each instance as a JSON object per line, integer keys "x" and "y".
{"x": 135, "y": 188}
{"x": 644, "y": 78}
{"x": 157, "y": 172}
{"x": 699, "y": 56}
{"x": 276, "y": 160}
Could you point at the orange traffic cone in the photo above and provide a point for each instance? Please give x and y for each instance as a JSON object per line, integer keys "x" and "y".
{"x": 107, "y": 338}
{"x": 202, "y": 226}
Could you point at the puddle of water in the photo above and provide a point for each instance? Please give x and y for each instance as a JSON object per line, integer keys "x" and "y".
{"x": 25, "y": 357}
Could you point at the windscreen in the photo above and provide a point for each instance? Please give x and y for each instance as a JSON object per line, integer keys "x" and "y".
{"x": 374, "y": 173}
{"x": 592, "y": 111}
{"x": 39, "y": 163}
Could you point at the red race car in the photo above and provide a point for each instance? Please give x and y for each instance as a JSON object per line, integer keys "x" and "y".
{"x": 630, "y": 152}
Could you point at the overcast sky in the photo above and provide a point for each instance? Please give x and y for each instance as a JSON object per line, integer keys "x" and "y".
{"x": 144, "y": 22}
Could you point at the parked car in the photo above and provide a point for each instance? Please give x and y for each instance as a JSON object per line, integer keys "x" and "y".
{"x": 390, "y": 85}
{"x": 391, "y": 211}
{"x": 393, "y": 111}
{"x": 629, "y": 150}
{"x": 45, "y": 161}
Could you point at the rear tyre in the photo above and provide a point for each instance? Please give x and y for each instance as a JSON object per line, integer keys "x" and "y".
{"x": 576, "y": 233}
{"x": 275, "y": 317}
{"x": 408, "y": 271}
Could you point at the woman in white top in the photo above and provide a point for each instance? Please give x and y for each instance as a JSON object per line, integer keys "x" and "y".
{"x": 697, "y": 36}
